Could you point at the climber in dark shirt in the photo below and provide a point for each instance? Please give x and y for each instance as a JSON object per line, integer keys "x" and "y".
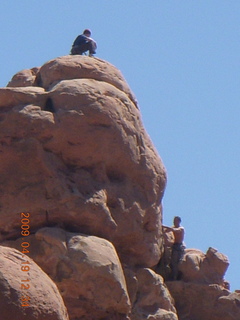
{"x": 84, "y": 43}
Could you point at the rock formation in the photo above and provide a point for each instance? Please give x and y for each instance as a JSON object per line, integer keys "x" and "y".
{"x": 86, "y": 270}
{"x": 203, "y": 268}
{"x": 204, "y": 302}
{"x": 77, "y": 148}
{"x": 76, "y": 157}
{"x": 16, "y": 285}
{"x": 201, "y": 293}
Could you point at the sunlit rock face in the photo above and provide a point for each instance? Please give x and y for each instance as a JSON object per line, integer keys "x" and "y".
{"x": 75, "y": 156}
{"x": 28, "y": 294}
{"x": 74, "y": 153}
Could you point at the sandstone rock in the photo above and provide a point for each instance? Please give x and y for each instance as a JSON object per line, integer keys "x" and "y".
{"x": 24, "y": 78}
{"x": 86, "y": 270}
{"x": 206, "y": 268}
{"x": 163, "y": 267}
{"x": 132, "y": 283}
{"x": 228, "y": 307}
{"x": 11, "y": 97}
{"x": 81, "y": 67}
{"x": 45, "y": 301}
{"x": 153, "y": 300}
{"x": 168, "y": 238}
{"x": 195, "y": 301}
{"x": 75, "y": 155}
{"x": 78, "y": 156}
{"x": 162, "y": 315}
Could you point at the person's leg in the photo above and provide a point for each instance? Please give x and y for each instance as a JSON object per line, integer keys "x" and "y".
{"x": 76, "y": 50}
{"x": 80, "y": 49}
{"x": 174, "y": 263}
{"x": 92, "y": 47}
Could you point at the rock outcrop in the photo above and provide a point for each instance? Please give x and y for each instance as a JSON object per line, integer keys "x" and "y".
{"x": 196, "y": 301}
{"x": 26, "y": 292}
{"x": 153, "y": 300}
{"x": 202, "y": 293}
{"x": 76, "y": 157}
{"x": 86, "y": 270}
{"x": 203, "y": 268}
{"x": 80, "y": 158}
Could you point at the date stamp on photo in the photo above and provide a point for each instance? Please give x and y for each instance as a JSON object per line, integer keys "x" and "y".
{"x": 25, "y": 264}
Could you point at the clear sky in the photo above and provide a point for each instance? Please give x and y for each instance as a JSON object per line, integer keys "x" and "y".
{"x": 181, "y": 59}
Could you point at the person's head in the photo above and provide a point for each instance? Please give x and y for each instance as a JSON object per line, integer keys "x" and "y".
{"x": 87, "y": 32}
{"x": 176, "y": 221}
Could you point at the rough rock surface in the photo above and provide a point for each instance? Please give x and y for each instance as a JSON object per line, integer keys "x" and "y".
{"x": 79, "y": 157}
{"x": 75, "y": 155}
{"x": 24, "y": 78}
{"x": 202, "y": 293}
{"x": 45, "y": 301}
{"x": 208, "y": 268}
{"x": 196, "y": 301}
{"x": 152, "y": 298}
{"x": 86, "y": 270}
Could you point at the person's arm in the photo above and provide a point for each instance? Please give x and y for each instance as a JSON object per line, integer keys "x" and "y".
{"x": 168, "y": 229}
{"x": 80, "y": 40}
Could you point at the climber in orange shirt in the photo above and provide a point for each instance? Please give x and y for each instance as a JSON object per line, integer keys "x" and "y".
{"x": 178, "y": 246}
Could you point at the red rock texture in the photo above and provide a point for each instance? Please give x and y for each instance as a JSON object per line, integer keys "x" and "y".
{"x": 208, "y": 268}
{"x": 75, "y": 155}
{"x": 24, "y": 78}
{"x": 45, "y": 300}
{"x": 203, "y": 293}
{"x": 79, "y": 157}
{"x": 196, "y": 301}
{"x": 86, "y": 270}
{"x": 152, "y": 298}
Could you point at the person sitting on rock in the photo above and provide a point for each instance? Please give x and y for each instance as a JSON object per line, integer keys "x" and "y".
{"x": 84, "y": 43}
{"x": 178, "y": 246}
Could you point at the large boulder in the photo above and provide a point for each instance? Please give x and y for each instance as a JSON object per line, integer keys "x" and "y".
{"x": 77, "y": 67}
{"x": 24, "y": 78}
{"x": 12, "y": 97}
{"x": 206, "y": 268}
{"x": 86, "y": 270}
{"x": 74, "y": 153}
{"x": 152, "y": 298}
{"x": 195, "y": 301}
{"x": 76, "y": 157}
{"x": 26, "y": 292}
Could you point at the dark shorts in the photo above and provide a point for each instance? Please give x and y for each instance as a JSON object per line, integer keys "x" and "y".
{"x": 80, "y": 49}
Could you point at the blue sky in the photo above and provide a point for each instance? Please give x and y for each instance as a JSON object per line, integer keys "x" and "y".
{"x": 181, "y": 59}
